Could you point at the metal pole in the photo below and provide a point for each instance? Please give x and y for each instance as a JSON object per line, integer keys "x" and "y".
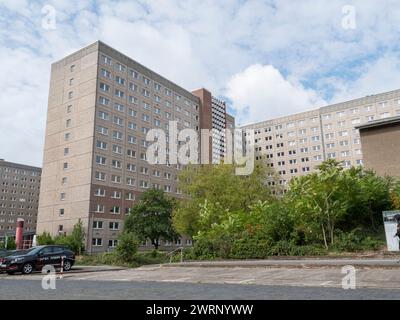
{"x": 62, "y": 267}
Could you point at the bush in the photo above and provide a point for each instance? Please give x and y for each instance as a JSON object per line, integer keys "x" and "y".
{"x": 355, "y": 241}
{"x": 249, "y": 249}
{"x": 11, "y": 245}
{"x": 44, "y": 239}
{"x": 127, "y": 246}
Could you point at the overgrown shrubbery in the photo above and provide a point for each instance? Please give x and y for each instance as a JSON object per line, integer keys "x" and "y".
{"x": 113, "y": 258}
{"x": 330, "y": 210}
{"x": 74, "y": 241}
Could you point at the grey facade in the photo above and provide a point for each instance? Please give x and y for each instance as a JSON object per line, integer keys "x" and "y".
{"x": 19, "y": 197}
{"x": 296, "y": 144}
{"x": 101, "y": 106}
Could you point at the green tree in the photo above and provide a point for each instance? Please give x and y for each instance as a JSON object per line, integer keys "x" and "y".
{"x": 318, "y": 197}
{"x": 367, "y": 195}
{"x": 77, "y": 238}
{"x": 44, "y": 239}
{"x": 219, "y": 186}
{"x": 128, "y": 243}
{"x": 151, "y": 218}
{"x": 10, "y": 244}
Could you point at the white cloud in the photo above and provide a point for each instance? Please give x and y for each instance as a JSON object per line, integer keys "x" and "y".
{"x": 260, "y": 92}
{"x": 375, "y": 77}
{"x": 200, "y": 44}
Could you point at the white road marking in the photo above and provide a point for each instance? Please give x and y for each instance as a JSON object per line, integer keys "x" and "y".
{"x": 247, "y": 281}
{"x": 326, "y": 283}
{"x": 175, "y": 280}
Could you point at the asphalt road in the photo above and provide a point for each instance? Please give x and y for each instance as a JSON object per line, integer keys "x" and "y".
{"x": 94, "y": 290}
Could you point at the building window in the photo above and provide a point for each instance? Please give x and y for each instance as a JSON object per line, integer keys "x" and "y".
{"x": 117, "y": 135}
{"x": 116, "y": 164}
{"x": 119, "y": 107}
{"x": 130, "y": 181}
{"x": 99, "y": 208}
{"x": 97, "y": 224}
{"x": 117, "y": 149}
{"x": 115, "y": 210}
{"x": 120, "y": 80}
{"x": 101, "y": 176}
{"x": 62, "y": 196}
{"x": 120, "y": 67}
{"x": 113, "y": 225}
{"x": 66, "y": 151}
{"x": 100, "y": 193}
{"x": 104, "y": 87}
{"x": 119, "y": 93}
{"x": 118, "y": 121}
{"x": 65, "y": 165}
{"x": 112, "y": 243}
{"x": 101, "y": 145}
{"x": 97, "y": 242}
{"x": 116, "y": 179}
{"x": 102, "y": 130}
{"x": 61, "y": 212}
{"x": 106, "y": 59}
{"x": 104, "y": 101}
{"x": 103, "y": 115}
{"x": 116, "y": 195}
{"x": 105, "y": 73}
{"x": 101, "y": 160}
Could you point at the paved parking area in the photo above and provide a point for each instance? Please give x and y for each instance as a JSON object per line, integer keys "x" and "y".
{"x": 366, "y": 277}
{"x": 147, "y": 290}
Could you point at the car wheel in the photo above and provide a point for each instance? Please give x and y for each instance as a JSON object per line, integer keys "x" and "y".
{"x": 27, "y": 268}
{"x": 67, "y": 265}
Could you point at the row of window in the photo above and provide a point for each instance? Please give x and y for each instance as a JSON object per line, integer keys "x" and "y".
{"x": 135, "y": 76}
{"x": 112, "y": 243}
{"x": 16, "y": 178}
{"x": 12, "y": 228}
{"x": 18, "y": 213}
{"x": 19, "y": 171}
{"x": 104, "y": 87}
{"x": 106, "y": 116}
{"x": 339, "y": 114}
{"x": 112, "y": 225}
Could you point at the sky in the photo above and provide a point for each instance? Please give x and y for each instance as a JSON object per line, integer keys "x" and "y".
{"x": 265, "y": 58}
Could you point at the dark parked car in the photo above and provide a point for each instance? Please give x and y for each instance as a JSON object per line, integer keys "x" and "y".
{"x": 4, "y": 253}
{"x": 27, "y": 261}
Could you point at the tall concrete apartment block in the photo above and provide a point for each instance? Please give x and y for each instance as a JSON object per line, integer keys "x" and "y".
{"x": 214, "y": 117}
{"x": 19, "y": 198}
{"x": 101, "y": 106}
{"x": 296, "y": 144}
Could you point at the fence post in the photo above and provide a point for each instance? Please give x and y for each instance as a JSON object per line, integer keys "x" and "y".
{"x": 62, "y": 267}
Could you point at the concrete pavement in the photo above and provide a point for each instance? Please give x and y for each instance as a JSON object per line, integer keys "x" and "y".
{"x": 248, "y": 273}
{"x": 94, "y": 290}
{"x": 301, "y": 262}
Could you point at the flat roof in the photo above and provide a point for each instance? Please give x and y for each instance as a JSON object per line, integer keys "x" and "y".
{"x": 4, "y": 163}
{"x": 379, "y": 123}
